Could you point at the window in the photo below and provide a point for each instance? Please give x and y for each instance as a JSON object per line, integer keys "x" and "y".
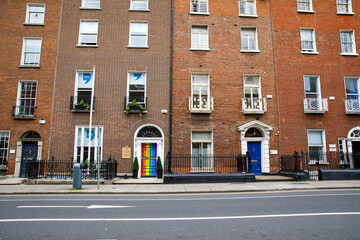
{"x": 247, "y": 8}
{"x": 26, "y": 99}
{"x": 201, "y": 151}
{"x": 200, "y": 93}
{"x": 249, "y": 40}
{"x": 82, "y": 138}
{"x": 31, "y": 52}
{"x": 199, "y": 6}
{"x": 138, "y": 34}
{"x": 252, "y": 101}
{"x": 344, "y": 6}
{"x": 35, "y": 14}
{"x": 83, "y": 88}
{"x": 137, "y": 87}
{"x": 316, "y": 143}
{"x": 4, "y": 148}
{"x": 90, "y": 4}
{"x": 347, "y": 42}
{"x": 308, "y": 44}
{"x": 88, "y": 32}
{"x": 304, "y": 6}
{"x": 139, "y": 5}
{"x": 352, "y": 91}
{"x": 199, "y": 38}
{"x": 313, "y": 103}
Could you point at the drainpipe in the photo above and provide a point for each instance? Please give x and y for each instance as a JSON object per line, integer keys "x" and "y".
{"x": 171, "y": 82}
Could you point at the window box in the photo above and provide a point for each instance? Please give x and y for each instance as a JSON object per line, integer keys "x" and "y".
{"x": 254, "y": 105}
{"x": 315, "y": 105}
{"x": 83, "y": 105}
{"x": 204, "y": 105}
{"x": 134, "y": 106}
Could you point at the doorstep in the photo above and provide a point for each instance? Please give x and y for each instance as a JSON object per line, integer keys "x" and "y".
{"x": 144, "y": 180}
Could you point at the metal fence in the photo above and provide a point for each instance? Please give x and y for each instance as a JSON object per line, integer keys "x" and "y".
{"x": 63, "y": 169}
{"x": 221, "y": 164}
{"x": 315, "y": 161}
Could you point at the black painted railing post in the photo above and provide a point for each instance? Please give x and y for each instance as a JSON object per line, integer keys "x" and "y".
{"x": 296, "y": 156}
{"x": 168, "y": 157}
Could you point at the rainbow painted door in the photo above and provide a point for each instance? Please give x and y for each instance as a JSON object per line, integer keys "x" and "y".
{"x": 148, "y": 159}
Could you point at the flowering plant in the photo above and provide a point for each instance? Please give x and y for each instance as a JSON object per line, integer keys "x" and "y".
{"x": 133, "y": 104}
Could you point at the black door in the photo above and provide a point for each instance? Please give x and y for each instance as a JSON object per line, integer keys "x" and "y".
{"x": 28, "y": 156}
{"x": 356, "y": 154}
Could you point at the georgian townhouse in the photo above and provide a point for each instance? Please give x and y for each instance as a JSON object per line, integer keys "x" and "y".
{"x": 119, "y": 52}
{"x": 316, "y": 47}
{"x": 224, "y": 89}
{"x": 29, "y": 39}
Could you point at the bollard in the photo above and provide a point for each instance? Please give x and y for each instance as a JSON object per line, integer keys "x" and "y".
{"x": 77, "y": 177}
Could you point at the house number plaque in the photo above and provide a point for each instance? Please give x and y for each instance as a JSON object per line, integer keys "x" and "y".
{"x": 126, "y": 152}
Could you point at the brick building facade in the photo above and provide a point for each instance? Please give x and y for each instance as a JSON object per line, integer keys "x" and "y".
{"x": 317, "y": 67}
{"x": 29, "y": 38}
{"x": 128, "y": 42}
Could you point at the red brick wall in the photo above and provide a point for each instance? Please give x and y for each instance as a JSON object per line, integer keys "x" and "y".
{"x": 13, "y": 30}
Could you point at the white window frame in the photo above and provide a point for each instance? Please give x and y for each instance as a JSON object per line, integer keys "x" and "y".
{"x": 86, "y": 145}
{"x": 247, "y": 4}
{"x": 352, "y": 102}
{"x": 132, "y": 8}
{"x": 352, "y": 42}
{"x": 313, "y": 41}
{"x": 299, "y": 4}
{"x": 210, "y": 167}
{"x": 19, "y": 100}
{"x": 252, "y": 86}
{"x": 206, "y": 86}
{"x": 76, "y": 90}
{"x": 197, "y": 11}
{"x": 357, "y": 95}
{"x": 146, "y": 34}
{"x": 317, "y": 83}
{"x": 323, "y": 146}
{"x": 29, "y": 12}
{"x": 82, "y": 33}
{"x": 24, "y": 52}
{"x": 128, "y": 87}
{"x": 4, "y": 158}
{"x": 348, "y": 5}
{"x": 83, "y": 5}
{"x": 194, "y": 32}
{"x": 248, "y": 39}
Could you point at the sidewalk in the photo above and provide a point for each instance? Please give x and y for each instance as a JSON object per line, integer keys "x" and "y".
{"x": 19, "y": 188}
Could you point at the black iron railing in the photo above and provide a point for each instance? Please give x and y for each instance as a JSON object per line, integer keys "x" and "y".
{"x": 188, "y": 164}
{"x": 23, "y": 112}
{"x": 79, "y": 105}
{"x": 63, "y": 169}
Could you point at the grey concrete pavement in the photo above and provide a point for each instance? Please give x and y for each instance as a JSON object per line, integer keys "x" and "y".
{"x": 14, "y": 186}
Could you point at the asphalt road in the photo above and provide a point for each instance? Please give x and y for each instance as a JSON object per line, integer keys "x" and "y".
{"x": 275, "y": 215}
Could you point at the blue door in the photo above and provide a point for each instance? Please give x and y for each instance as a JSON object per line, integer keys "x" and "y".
{"x": 254, "y": 149}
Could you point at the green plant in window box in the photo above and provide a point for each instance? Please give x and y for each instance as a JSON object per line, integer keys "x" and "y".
{"x": 135, "y": 105}
{"x": 82, "y": 105}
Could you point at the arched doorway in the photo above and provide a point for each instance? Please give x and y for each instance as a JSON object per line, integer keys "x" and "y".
{"x": 148, "y": 146}
{"x": 30, "y": 151}
{"x": 354, "y": 147}
{"x": 255, "y": 138}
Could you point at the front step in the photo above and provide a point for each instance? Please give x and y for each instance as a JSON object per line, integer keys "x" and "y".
{"x": 273, "y": 178}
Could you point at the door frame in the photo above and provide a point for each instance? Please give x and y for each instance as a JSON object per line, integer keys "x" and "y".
{"x": 261, "y": 150}
{"x": 19, "y": 148}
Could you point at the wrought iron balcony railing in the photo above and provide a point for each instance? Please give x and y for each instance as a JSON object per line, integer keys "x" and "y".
{"x": 254, "y": 105}
{"x": 352, "y": 106}
{"x": 23, "y": 112}
{"x": 201, "y": 105}
{"x": 81, "y": 104}
{"x": 315, "y": 105}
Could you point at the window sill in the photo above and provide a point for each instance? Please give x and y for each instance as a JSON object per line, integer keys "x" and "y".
{"x": 350, "y": 54}
{"x": 81, "y": 111}
{"x": 3, "y": 168}
{"x": 200, "y": 49}
{"x": 34, "y": 24}
{"x": 344, "y": 13}
{"x": 311, "y": 53}
{"x": 29, "y": 66}
{"x": 87, "y": 46}
{"x": 139, "y": 10}
{"x": 250, "y": 51}
{"x": 87, "y": 8}
{"x": 249, "y": 16}
{"x": 253, "y": 111}
{"x": 315, "y": 111}
{"x": 24, "y": 117}
{"x": 305, "y": 11}
{"x": 146, "y": 47}
{"x": 207, "y": 111}
{"x": 200, "y": 13}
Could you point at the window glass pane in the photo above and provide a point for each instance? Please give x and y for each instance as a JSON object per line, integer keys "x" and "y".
{"x": 138, "y": 28}
{"x": 32, "y": 45}
{"x": 200, "y": 79}
{"x": 91, "y": 3}
{"x": 251, "y": 80}
{"x": 311, "y": 84}
{"x": 85, "y": 79}
{"x": 138, "y": 41}
{"x": 205, "y": 136}
{"x": 351, "y": 85}
{"x": 139, "y": 4}
{"x": 315, "y": 138}
{"x": 137, "y": 78}
{"x": 89, "y": 27}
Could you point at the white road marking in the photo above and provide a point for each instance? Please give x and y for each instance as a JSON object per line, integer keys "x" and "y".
{"x": 183, "y": 199}
{"x": 87, "y": 207}
{"x": 176, "y": 219}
